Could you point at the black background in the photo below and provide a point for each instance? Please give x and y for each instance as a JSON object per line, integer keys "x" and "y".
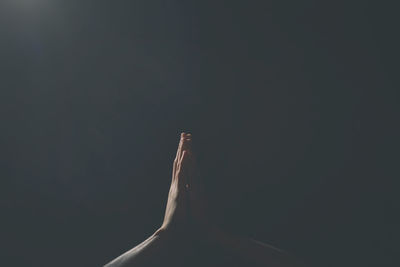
{"x": 291, "y": 105}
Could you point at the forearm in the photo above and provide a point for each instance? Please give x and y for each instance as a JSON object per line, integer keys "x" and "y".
{"x": 146, "y": 253}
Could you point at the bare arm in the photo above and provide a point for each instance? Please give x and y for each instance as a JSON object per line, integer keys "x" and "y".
{"x": 142, "y": 254}
{"x": 166, "y": 243}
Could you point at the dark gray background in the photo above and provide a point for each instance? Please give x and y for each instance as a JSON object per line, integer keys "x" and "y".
{"x": 291, "y": 105}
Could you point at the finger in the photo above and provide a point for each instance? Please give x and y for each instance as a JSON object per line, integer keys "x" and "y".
{"x": 187, "y": 147}
{"x": 174, "y": 169}
{"x": 178, "y": 151}
{"x": 177, "y": 157}
{"x": 184, "y": 144}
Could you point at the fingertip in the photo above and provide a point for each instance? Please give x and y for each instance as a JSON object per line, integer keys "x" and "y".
{"x": 184, "y": 134}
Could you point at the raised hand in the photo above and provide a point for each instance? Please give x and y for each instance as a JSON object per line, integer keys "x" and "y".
{"x": 176, "y": 213}
{"x": 165, "y": 246}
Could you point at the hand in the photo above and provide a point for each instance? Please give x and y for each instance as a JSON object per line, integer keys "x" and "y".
{"x": 186, "y": 209}
{"x": 176, "y": 213}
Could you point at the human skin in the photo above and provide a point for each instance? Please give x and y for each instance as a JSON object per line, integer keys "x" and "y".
{"x": 187, "y": 223}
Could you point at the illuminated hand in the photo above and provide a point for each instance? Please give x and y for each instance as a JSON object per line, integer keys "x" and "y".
{"x": 165, "y": 245}
{"x": 186, "y": 205}
{"x": 176, "y": 213}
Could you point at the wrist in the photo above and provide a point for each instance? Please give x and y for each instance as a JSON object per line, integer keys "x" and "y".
{"x": 159, "y": 232}
{"x": 169, "y": 232}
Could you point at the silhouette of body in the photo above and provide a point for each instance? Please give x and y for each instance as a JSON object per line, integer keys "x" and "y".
{"x": 187, "y": 236}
